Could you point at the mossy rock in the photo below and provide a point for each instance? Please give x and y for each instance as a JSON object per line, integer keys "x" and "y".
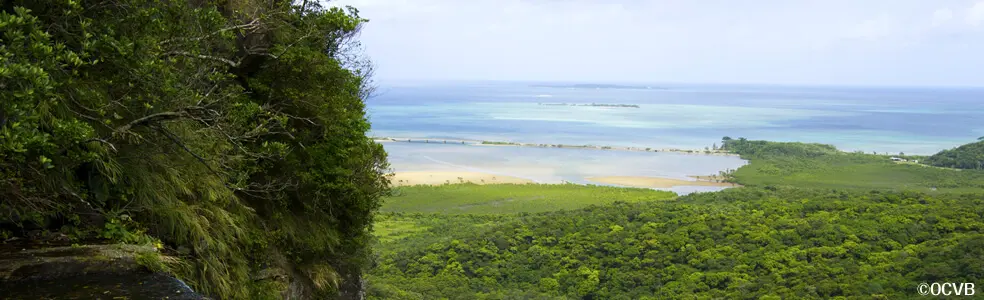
{"x": 85, "y": 272}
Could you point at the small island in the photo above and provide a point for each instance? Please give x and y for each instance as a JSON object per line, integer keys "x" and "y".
{"x": 591, "y": 104}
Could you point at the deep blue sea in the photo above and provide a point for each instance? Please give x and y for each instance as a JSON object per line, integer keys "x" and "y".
{"x": 910, "y": 120}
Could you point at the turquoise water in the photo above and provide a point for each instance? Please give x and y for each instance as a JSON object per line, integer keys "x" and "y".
{"x": 910, "y": 120}
{"x": 915, "y": 121}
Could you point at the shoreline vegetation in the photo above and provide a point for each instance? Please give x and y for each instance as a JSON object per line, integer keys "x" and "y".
{"x": 590, "y": 104}
{"x": 813, "y": 165}
{"x": 706, "y": 151}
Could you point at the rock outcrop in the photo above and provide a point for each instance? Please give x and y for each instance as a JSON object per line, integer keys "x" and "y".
{"x": 84, "y": 272}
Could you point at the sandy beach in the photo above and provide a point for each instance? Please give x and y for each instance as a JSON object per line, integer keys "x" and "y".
{"x": 654, "y": 182}
{"x": 442, "y": 177}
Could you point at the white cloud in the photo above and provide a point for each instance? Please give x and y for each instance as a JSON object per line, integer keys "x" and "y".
{"x": 672, "y": 40}
{"x": 942, "y": 16}
{"x": 879, "y": 27}
{"x": 975, "y": 15}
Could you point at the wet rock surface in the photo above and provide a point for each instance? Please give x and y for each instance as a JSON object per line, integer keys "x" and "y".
{"x": 83, "y": 272}
{"x": 137, "y": 285}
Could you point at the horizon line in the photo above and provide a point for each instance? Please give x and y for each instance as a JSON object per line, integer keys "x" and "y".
{"x": 653, "y": 83}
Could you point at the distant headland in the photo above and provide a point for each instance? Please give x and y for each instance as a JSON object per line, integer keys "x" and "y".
{"x": 600, "y": 86}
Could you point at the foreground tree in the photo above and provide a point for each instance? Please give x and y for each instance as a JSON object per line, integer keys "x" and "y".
{"x": 235, "y": 130}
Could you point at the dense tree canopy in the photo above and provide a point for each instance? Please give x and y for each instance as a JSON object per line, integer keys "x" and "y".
{"x": 812, "y": 223}
{"x": 823, "y": 166}
{"x": 969, "y": 156}
{"x": 785, "y": 243}
{"x": 233, "y": 129}
{"x": 764, "y": 149}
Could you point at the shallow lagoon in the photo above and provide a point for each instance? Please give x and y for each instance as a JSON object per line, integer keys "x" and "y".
{"x": 555, "y": 165}
{"x": 910, "y": 120}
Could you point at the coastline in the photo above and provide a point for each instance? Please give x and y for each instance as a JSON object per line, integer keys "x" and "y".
{"x": 428, "y": 176}
{"x": 657, "y": 182}
{"x": 449, "y": 177}
{"x": 411, "y": 178}
{"x": 566, "y": 146}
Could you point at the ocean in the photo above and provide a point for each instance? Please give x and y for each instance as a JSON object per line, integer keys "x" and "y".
{"x": 883, "y": 120}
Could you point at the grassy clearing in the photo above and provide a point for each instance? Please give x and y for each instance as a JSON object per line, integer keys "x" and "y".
{"x": 510, "y": 198}
{"x": 391, "y": 228}
{"x": 851, "y": 172}
{"x": 401, "y": 231}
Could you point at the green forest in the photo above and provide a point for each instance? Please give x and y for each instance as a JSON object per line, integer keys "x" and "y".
{"x": 811, "y": 222}
{"x": 823, "y": 166}
{"x": 748, "y": 243}
{"x": 969, "y": 156}
{"x": 230, "y": 135}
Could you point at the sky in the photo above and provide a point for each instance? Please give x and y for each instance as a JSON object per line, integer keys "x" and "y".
{"x": 824, "y": 42}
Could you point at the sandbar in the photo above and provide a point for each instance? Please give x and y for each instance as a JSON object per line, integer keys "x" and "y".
{"x": 654, "y": 182}
{"x": 443, "y": 177}
{"x": 591, "y": 147}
